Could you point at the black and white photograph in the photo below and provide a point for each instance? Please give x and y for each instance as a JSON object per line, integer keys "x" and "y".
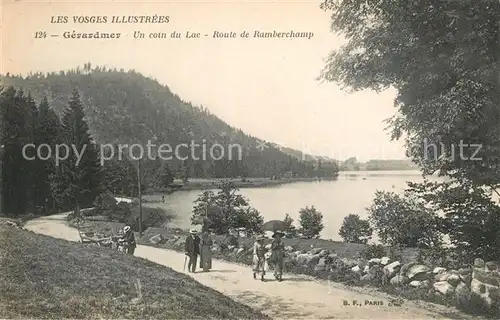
{"x": 330, "y": 159}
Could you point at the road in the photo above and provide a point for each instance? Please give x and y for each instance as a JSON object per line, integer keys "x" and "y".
{"x": 297, "y": 297}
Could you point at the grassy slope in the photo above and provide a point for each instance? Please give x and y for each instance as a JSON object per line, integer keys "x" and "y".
{"x": 43, "y": 277}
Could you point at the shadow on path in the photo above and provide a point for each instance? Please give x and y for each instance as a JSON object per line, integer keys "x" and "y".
{"x": 276, "y": 307}
{"x": 221, "y": 271}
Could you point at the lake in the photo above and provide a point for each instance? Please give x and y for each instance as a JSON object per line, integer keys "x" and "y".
{"x": 351, "y": 193}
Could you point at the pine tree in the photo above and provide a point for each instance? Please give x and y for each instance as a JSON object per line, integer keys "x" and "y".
{"x": 78, "y": 183}
{"x": 30, "y": 161}
{"x": 14, "y": 107}
{"x": 46, "y": 131}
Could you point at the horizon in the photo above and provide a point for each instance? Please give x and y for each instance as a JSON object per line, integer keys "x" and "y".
{"x": 268, "y": 91}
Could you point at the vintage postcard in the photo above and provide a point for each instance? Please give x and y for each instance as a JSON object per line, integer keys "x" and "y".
{"x": 334, "y": 159}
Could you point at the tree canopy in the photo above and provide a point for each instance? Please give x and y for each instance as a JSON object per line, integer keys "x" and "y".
{"x": 442, "y": 57}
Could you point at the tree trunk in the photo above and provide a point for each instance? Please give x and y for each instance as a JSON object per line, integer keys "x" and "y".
{"x": 77, "y": 210}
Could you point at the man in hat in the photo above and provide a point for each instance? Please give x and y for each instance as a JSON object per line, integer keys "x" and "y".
{"x": 129, "y": 237}
{"x": 278, "y": 254}
{"x": 259, "y": 257}
{"x": 192, "y": 249}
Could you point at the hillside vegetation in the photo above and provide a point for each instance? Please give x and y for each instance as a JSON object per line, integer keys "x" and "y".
{"x": 127, "y": 108}
{"x": 43, "y": 277}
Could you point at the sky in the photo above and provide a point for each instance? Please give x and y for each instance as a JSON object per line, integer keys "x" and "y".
{"x": 266, "y": 87}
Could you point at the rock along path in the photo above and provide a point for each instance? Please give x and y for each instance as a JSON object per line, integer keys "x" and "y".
{"x": 297, "y": 297}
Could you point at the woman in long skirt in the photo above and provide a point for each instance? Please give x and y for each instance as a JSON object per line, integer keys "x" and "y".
{"x": 259, "y": 257}
{"x": 206, "y": 252}
{"x": 278, "y": 254}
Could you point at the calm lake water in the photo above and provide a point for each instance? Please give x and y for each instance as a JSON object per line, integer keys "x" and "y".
{"x": 351, "y": 193}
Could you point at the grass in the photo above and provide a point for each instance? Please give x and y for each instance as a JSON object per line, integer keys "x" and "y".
{"x": 43, "y": 277}
{"x": 19, "y": 220}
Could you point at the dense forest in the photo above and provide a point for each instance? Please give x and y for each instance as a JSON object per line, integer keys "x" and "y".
{"x": 119, "y": 107}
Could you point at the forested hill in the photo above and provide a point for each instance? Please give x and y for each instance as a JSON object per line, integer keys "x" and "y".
{"x": 127, "y": 107}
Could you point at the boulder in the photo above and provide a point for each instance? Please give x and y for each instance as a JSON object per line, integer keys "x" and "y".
{"x": 444, "y": 287}
{"x": 385, "y": 261}
{"x": 313, "y": 261}
{"x": 466, "y": 279}
{"x": 321, "y": 262}
{"x": 348, "y": 262}
{"x": 373, "y": 261}
{"x": 465, "y": 271}
{"x": 441, "y": 277}
{"x": 375, "y": 270}
{"x": 454, "y": 279}
{"x": 308, "y": 259}
{"x": 323, "y": 253}
{"x": 478, "y": 263}
{"x": 418, "y": 272}
{"x": 439, "y": 270}
{"x": 419, "y": 284}
{"x": 407, "y": 266}
{"x": 462, "y": 294}
{"x": 491, "y": 266}
{"x": 320, "y": 268}
{"x": 398, "y": 280}
{"x": 367, "y": 278}
{"x": 362, "y": 263}
{"x": 304, "y": 258}
{"x": 356, "y": 269}
{"x": 486, "y": 284}
{"x": 315, "y": 251}
{"x": 391, "y": 269}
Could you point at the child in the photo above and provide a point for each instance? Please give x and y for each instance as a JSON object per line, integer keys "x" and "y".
{"x": 259, "y": 258}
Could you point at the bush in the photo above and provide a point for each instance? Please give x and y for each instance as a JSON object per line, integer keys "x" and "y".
{"x": 373, "y": 251}
{"x": 404, "y": 220}
{"x": 311, "y": 222}
{"x": 355, "y": 230}
{"x": 471, "y": 216}
{"x": 289, "y": 228}
{"x": 225, "y": 210}
{"x": 248, "y": 218}
{"x": 151, "y": 218}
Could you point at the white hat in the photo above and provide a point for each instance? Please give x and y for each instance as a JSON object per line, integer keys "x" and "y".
{"x": 126, "y": 229}
{"x": 193, "y": 231}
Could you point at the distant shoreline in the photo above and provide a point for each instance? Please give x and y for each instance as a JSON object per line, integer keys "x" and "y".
{"x": 201, "y": 184}
{"x": 212, "y": 183}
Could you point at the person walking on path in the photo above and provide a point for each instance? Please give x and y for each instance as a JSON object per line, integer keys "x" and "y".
{"x": 206, "y": 252}
{"x": 259, "y": 257}
{"x": 192, "y": 249}
{"x": 129, "y": 237}
{"x": 277, "y": 255}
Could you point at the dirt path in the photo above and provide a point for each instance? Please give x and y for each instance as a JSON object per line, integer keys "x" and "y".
{"x": 297, "y": 297}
